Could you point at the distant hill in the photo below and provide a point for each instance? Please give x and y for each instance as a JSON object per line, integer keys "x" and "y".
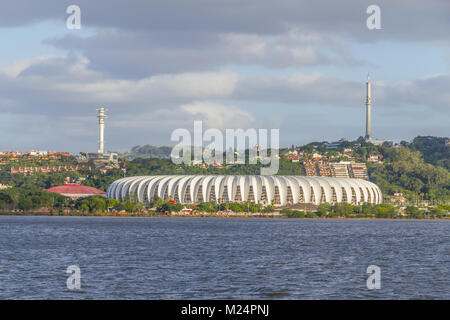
{"x": 148, "y": 151}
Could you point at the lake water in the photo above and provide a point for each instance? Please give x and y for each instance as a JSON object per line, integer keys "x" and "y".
{"x": 213, "y": 258}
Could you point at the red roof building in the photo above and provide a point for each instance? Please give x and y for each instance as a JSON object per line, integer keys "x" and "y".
{"x": 75, "y": 191}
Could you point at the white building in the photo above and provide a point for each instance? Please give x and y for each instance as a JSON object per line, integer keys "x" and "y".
{"x": 279, "y": 190}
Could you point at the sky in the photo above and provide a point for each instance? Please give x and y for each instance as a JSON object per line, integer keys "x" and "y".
{"x": 156, "y": 66}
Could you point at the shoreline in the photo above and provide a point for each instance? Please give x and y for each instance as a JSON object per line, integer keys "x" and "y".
{"x": 118, "y": 215}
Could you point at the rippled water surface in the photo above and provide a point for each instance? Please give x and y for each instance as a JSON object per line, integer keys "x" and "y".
{"x": 213, "y": 258}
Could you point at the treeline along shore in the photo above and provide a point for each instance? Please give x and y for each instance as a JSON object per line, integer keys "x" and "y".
{"x": 49, "y": 204}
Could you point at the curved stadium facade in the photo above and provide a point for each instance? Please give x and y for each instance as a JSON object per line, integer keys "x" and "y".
{"x": 279, "y": 190}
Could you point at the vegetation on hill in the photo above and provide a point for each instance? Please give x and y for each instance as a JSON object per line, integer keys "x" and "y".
{"x": 404, "y": 170}
{"x": 434, "y": 150}
{"x": 418, "y": 169}
{"x": 148, "y": 151}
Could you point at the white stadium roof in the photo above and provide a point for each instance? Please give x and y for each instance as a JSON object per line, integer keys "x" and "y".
{"x": 280, "y": 190}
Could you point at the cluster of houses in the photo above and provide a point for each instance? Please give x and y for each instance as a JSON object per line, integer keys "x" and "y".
{"x": 295, "y": 155}
{"x": 31, "y": 162}
{"x": 47, "y": 169}
{"x": 220, "y": 163}
{"x": 7, "y": 157}
{"x": 347, "y": 154}
{"x": 318, "y": 164}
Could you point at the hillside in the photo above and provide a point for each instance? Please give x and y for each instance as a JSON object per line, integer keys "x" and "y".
{"x": 148, "y": 151}
{"x": 435, "y": 150}
{"x": 418, "y": 169}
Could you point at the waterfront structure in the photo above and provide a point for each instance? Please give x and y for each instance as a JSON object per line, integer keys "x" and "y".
{"x": 75, "y": 191}
{"x": 277, "y": 190}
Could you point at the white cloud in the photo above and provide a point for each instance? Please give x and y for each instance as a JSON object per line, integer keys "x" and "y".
{"x": 16, "y": 67}
{"x": 219, "y": 116}
{"x": 51, "y": 90}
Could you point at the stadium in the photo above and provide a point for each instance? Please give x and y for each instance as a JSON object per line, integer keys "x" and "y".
{"x": 277, "y": 190}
